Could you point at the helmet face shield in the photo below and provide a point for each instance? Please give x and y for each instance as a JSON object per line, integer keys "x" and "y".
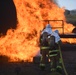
{"x": 51, "y": 41}
{"x": 44, "y": 38}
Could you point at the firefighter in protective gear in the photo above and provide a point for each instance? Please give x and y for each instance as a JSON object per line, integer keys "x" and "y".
{"x": 44, "y": 48}
{"x": 49, "y": 45}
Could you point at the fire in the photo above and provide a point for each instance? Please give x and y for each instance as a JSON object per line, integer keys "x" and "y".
{"x": 22, "y": 43}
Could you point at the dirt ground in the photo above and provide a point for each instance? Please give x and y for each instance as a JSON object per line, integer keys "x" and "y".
{"x": 23, "y": 69}
{"x": 27, "y": 68}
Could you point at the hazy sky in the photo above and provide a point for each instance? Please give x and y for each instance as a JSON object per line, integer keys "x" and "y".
{"x": 68, "y": 4}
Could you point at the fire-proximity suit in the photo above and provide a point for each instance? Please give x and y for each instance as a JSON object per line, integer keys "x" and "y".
{"x": 49, "y": 47}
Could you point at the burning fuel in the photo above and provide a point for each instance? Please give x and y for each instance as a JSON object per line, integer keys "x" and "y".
{"x": 22, "y": 43}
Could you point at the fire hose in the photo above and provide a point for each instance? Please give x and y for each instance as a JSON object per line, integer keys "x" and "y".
{"x": 62, "y": 61}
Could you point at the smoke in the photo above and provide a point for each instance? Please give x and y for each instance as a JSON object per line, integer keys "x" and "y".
{"x": 55, "y": 1}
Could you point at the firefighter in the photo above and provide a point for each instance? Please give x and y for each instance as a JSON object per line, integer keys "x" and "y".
{"x": 44, "y": 48}
{"x": 49, "y": 46}
{"x": 54, "y": 53}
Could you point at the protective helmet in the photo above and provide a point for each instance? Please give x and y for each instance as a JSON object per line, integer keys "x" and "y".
{"x": 48, "y": 26}
{"x": 47, "y": 29}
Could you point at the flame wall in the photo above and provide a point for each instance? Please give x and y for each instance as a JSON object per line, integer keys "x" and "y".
{"x": 22, "y": 43}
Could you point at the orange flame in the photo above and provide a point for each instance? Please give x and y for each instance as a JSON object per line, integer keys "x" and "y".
{"x": 22, "y": 43}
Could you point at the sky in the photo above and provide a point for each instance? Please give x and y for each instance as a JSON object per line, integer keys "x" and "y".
{"x": 68, "y": 4}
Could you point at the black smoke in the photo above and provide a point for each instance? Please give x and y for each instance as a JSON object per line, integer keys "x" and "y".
{"x": 8, "y": 16}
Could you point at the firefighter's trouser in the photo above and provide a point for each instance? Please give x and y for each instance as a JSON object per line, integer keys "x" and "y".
{"x": 53, "y": 55}
{"x": 55, "y": 61}
{"x": 44, "y": 52}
